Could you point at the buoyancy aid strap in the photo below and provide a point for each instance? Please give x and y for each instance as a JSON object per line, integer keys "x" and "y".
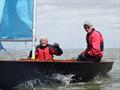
{"x": 101, "y": 42}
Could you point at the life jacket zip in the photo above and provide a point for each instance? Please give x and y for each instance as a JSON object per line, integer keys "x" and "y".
{"x": 44, "y": 54}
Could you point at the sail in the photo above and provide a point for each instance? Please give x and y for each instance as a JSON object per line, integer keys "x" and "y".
{"x": 16, "y": 19}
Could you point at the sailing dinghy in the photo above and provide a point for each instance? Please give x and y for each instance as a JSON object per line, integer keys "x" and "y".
{"x": 16, "y": 72}
{"x": 17, "y": 23}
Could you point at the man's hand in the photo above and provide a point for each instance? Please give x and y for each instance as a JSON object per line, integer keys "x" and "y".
{"x": 56, "y": 44}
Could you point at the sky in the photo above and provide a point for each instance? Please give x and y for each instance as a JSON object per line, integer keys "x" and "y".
{"x": 62, "y": 22}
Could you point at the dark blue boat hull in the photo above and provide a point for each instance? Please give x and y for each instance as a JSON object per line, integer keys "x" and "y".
{"x": 13, "y": 73}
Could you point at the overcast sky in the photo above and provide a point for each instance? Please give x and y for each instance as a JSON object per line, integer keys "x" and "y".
{"x": 62, "y": 21}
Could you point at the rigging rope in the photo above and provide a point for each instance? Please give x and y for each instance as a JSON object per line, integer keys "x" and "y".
{"x": 12, "y": 57}
{"x": 9, "y": 54}
{"x": 27, "y": 50}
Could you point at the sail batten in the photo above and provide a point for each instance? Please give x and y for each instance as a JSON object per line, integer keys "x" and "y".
{"x": 16, "y": 20}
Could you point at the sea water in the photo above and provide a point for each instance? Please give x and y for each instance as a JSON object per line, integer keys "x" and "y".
{"x": 111, "y": 81}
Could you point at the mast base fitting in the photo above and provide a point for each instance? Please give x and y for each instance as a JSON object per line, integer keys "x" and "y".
{"x": 33, "y": 58}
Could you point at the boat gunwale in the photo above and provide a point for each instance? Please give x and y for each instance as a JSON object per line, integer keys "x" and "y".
{"x": 54, "y": 61}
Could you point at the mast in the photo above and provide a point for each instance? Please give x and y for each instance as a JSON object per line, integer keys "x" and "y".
{"x": 34, "y": 29}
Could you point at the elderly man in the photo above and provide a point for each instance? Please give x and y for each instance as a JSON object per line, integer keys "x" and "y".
{"x": 95, "y": 45}
{"x": 45, "y": 51}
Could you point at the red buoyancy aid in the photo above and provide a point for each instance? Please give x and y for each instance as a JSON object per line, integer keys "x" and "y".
{"x": 95, "y": 44}
{"x": 44, "y": 54}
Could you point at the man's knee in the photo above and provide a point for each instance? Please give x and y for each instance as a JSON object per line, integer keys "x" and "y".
{"x": 98, "y": 59}
{"x": 80, "y": 57}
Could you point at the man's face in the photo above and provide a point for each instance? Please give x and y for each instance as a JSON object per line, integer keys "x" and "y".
{"x": 43, "y": 42}
{"x": 87, "y": 29}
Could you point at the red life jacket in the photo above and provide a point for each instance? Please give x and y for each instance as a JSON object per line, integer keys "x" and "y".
{"x": 44, "y": 54}
{"x": 95, "y": 44}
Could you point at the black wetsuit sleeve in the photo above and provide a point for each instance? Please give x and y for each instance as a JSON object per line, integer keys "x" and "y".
{"x": 30, "y": 54}
{"x": 56, "y": 50}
